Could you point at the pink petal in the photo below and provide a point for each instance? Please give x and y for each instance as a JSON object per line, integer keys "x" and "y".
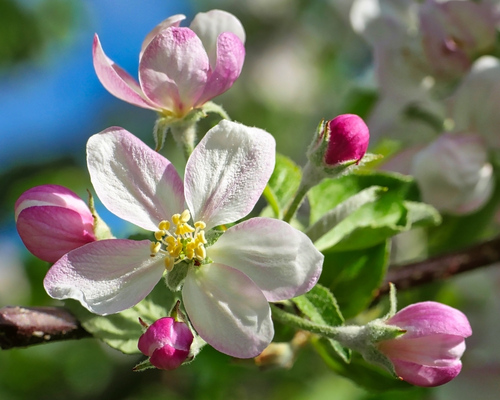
{"x": 281, "y": 260}
{"x": 174, "y": 20}
{"x": 429, "y": 317}
{"x": 107, "y": 276}
{"x": 132, "y": 180}
{"x": 228, "y": 65}
{"x": 425, "y": 375}
{"x": 227, "y": 172}
{"x": 208, "y": 26}
{"x": 228, "y": 310}
{"x": 433, "y": 349}
{"x": 116, "y": 81}
{"x": 168, "y": 357}
{"x": 173, "y": 69}
{"x": 49, "y": 232}
{"x": 54, "y": 195}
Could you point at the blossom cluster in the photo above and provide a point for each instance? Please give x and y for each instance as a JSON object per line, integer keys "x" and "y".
{"x": 226, "y": 264}
{"x": 434, "y": 65}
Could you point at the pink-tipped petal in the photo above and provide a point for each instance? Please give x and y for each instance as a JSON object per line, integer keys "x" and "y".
{"x": 174, "y": 20}
{"x": 168, "y": 357}
{"x": 227, "y": 172}
{"x": 132, "y": 180}
{"x": 208, "y": 26}
{"x": 53, "y": 195}
{"x": 425, "y": 375}
{"x": 116, "y": 81}
{"x": 281, "y": 260}
{"x": 173, "y": 69}
{"x": 49, "y": 232}
{"x": 228, "y": 310}
{"x": 429, "y": 317}
{"x": 107, "y": 276}
{"x": 227, "y": 68}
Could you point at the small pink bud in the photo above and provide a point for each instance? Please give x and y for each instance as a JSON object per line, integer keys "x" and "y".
{"x": 348, "y": 138}
{"x": 52, "y": 221}
{"x": 428, "y": 354}
{"x": 166, "y": 342}
{"x": 344, "y": 139}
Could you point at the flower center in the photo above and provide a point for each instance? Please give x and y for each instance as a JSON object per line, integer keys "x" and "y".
{"x": 185, "y": 243}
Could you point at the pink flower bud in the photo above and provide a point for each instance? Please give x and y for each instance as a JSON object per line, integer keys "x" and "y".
{"x": 348, "y": 139}
{"x": 52, "y": 221}
{"x": 428, "y": 354}
{"x": 343, "y": 139}
{"x": 166, "y": 342}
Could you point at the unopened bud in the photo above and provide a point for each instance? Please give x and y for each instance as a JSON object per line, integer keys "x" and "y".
{"x": 167, "y": 343}
{"x": 52, "y": 221}
{"x": 339, "y": 143}
{"x": 428, "y": 353}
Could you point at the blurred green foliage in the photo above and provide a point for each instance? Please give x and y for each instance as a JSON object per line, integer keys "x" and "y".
{"x": 25, "y": 32}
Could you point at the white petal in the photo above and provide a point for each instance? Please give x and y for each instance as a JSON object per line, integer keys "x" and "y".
{"x": 228, "y": 310}
{"x": 208, "y": 26}
{"x": 280, "y": 259}
{"x": 107, "y": 276}
{"x": 132, "y": 180}
{"x": 227, "y": 172}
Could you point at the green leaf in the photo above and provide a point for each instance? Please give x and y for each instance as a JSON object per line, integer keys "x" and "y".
{"x": 364, "y": 374}
{"x": 320, "y": 307}
{"x": 122, "y": 331}
{"x": 372, "y": 223}
{"x": 331, "y": 192}
{"x": 341, "y": 211}
{"x": 355, "y": 276}
{"x": 282, "y": 185}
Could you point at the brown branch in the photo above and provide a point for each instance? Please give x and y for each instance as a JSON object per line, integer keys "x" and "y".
{"x": 442, "y": 267}
{"x": 26, "y": 326}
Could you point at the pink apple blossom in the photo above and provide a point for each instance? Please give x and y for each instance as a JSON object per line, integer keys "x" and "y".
{"x": 228, "y": 283}
{"x": 179, "y": 68}
{"x": 52, "y": 221}
{"x": 428, "y": 354}
{"x": 167, "y": 343}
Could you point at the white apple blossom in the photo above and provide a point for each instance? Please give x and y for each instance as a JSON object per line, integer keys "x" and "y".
{"x": 228, "y": 284}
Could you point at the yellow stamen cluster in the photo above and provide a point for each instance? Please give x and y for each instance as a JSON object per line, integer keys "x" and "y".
{"x": 185, "y": 243}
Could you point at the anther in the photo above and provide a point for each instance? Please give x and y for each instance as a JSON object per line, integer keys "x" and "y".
{"x": 155, "y": 248}
{"x": 159, "y": 234}
{"x": 185, "y": 216}
{"x": 164, "y": 226}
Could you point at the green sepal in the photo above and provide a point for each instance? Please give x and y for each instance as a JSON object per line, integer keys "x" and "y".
{"x": 212, "y": 108}
{"x": 143, "y": 365}
{"x": 101, "y": 229}
{"x": 175, "y": 278}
